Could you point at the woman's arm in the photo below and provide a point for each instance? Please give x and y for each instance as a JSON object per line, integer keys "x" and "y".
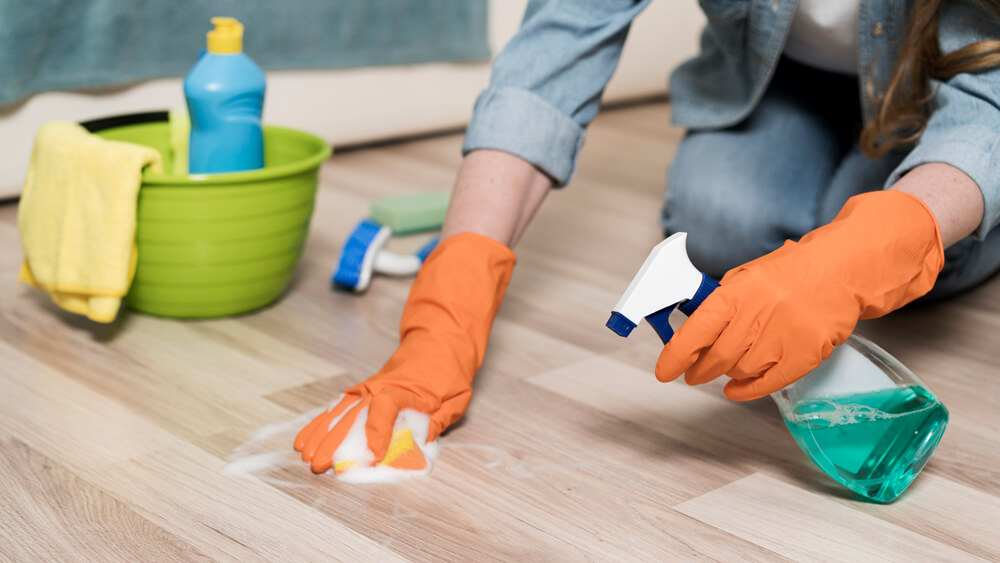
{"x": 961, "y": 135}
{"x": 546, "y": 84}
{"x": 952, "y": 196}
{"x": 545, "y": 88}
{"x": 496, "y": 194}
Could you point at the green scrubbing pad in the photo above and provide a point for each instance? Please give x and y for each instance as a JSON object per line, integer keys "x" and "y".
{"x": 411, "y": 213}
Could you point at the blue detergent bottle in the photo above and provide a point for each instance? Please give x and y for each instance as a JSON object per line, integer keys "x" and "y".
{"x": 225, "y": 99}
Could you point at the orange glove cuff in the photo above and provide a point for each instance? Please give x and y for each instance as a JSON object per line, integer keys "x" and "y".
{"x": 451, "y": 307}
{"x": 884, "y": 246}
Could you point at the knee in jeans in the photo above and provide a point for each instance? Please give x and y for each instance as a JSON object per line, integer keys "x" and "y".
{"x": 724, "y": 230}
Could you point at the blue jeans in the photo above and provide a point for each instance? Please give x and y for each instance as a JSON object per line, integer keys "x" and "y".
{"x": 788, "y": 168}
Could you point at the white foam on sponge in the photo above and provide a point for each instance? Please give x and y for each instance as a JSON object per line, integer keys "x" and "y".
{"x": 355, "y": 458}
{"x": 269, "y": 449}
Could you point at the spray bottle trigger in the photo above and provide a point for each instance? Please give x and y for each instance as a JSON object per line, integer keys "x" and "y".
{"x": 708, "y": 285}
{"x": 660, "y": 321}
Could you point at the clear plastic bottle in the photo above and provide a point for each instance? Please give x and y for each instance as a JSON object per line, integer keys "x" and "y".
{"x": 864, "y": 419}
{"x": 225, "y": 99}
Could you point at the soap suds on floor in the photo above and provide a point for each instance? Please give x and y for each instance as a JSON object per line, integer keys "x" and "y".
{"x": 268, "y": 449}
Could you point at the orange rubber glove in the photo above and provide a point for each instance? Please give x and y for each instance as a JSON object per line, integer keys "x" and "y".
{"x": 776, "y": 318}
{"x": 443, "y": 334}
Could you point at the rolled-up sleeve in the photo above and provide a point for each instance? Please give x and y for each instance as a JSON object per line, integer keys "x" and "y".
{"x": 964, "y": 128}
{"x": 547, "y": 83}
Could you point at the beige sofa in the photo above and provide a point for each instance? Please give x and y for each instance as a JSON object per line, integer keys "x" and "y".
{"x": 365, "y": 104}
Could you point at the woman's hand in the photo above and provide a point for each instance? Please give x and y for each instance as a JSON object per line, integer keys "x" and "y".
{"x": 449, "y": 312}
{"x": 443, "y": 335}
{"x": 776, "y": 318}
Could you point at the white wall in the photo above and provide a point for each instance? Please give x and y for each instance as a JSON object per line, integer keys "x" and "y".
{"x": 365, "y": 104}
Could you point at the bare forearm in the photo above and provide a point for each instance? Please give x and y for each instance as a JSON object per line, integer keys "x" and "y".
{"x": 496, "y": 194}
{"x": 952, "y": 196}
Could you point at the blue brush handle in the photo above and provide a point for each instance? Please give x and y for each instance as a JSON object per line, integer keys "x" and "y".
{"x": 426, "y": 249}
{"x": 659, "y": 319}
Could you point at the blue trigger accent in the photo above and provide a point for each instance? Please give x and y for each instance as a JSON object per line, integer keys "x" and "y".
{"x": 659, "y": 322}
{"x": 708, "y": 285}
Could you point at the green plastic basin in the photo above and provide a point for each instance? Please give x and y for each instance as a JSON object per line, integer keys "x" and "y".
{"x": 213, "y": 245}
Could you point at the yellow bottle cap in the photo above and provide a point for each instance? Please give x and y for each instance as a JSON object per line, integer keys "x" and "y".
{"x": 226, "y": 38}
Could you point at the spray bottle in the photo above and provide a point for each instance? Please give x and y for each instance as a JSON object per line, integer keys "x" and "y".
{"x": 861, "y": 416}
{"x": 225, "y": 99}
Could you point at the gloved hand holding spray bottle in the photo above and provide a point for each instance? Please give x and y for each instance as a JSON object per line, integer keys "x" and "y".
{"x": 858, "y": 414}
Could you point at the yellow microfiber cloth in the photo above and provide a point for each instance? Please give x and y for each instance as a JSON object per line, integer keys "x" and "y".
{"x": 77, "y": 217}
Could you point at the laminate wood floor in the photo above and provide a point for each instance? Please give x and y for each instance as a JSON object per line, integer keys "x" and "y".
{"x": 114, "y": 439}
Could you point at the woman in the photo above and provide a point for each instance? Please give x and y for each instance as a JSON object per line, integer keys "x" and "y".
{"x": 772, "y": 156}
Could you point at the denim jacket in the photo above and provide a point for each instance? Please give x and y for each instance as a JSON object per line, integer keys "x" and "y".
{"x": 547, "y": 83}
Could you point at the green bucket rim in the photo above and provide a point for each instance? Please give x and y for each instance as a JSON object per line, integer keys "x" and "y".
{"x": 150, "y": 179}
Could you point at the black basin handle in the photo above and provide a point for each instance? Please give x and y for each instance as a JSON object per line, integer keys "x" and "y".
{"x": 102, "y": 123}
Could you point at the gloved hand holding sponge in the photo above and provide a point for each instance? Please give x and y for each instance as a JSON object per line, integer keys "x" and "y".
{"x": 443, "y": 334}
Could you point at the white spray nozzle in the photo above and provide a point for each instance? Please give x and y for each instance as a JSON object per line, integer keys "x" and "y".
{"x": 666, "y": 278}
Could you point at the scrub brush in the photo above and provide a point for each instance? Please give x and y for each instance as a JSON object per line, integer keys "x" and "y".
{"x": 357, "y": 259}
{"x": 364, "y": 254}
{"x": 364, "y": 251}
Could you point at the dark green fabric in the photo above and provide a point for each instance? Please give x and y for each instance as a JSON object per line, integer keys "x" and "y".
{"x": 68, "y": 44}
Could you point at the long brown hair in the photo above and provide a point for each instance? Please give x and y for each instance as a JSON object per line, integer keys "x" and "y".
{"x": 902, "y": 111}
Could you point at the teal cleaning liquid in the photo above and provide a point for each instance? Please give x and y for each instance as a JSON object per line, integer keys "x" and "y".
{"x": 873, "y": 443}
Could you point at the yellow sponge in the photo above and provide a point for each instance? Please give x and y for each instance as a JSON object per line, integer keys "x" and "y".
{"x": 403, "y": 453}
